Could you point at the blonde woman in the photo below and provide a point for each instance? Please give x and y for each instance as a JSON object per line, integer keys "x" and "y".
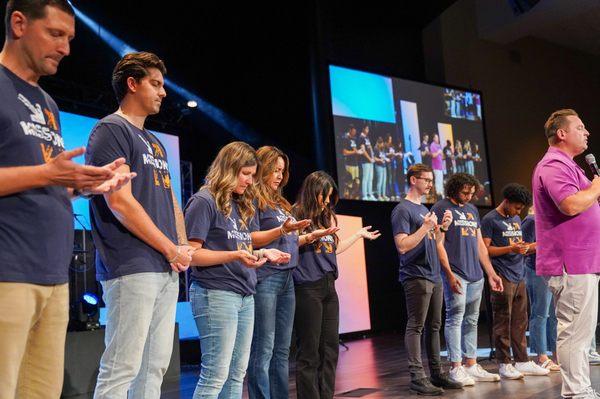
{"x": 219, "y": 220}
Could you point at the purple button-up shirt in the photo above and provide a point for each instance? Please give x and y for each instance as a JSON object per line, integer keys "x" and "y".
{"x": 563, "y": 242}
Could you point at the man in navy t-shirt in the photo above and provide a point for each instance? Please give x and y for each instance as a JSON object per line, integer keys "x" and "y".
{"x": 463, "y": 278}
{"x": 350, "y": 152}
{"x": 417, "y": 236}
{"x": 502, "y": 235}
{"x": 39, "y": 179}
{"x": 139, "y": 235}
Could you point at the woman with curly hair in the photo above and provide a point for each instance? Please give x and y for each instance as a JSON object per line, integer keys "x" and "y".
{"x": 220, "y": 218}
{"x": 317, "y": 307}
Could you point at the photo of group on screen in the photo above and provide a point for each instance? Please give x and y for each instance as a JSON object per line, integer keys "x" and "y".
{"x": 462, "y": 104}
{"x": 462, "y": 157}
{"x": 373, "y": 168}
{"x": 374, "y": 164}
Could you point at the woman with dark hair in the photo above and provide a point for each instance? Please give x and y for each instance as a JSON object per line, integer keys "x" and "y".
{"x": 274, "y": 301}
{"x": 459, "y": 157}
{"x": 317, "y": 306}
{"x": 381, "y": 161}
{"x": 219, "y": 220}
{"x": 394, "y": 164}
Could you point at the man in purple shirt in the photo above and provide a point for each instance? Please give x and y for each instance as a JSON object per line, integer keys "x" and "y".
{"x": 437, "y": 164}
{"x": 567, "y": 226}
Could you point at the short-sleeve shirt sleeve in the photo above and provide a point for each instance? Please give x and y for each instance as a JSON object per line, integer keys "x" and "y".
{"x": 559, "y": 180}
{"x": 108, "y": 142}
{"x": 401, "y": 221}
{"x": 199, "y": 214}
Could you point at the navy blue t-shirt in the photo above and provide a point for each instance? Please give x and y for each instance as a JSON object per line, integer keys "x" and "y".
{"x": 422, "y": 261}
{"x": 366, "y": 141}
{"x": 204, "y": 221}
{"x": 461, "y": 239}
{"x": 269, "y": 219}
{"x": 316, "y": 260}
{"x": 36, "y": 226}
{"x": 504, "y": 231}
{"x": 118, "y": 251}
{"x": 350, "y": 144}
{"x": 528, "y": 228}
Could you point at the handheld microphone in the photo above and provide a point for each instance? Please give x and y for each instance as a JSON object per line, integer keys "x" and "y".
{"x": 591, "y": 161}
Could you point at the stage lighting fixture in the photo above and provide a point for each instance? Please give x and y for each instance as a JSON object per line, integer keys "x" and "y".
{"x": 220, "y": 117}
{"x": 192, "y": 104}
{"x": 85, "y": 313}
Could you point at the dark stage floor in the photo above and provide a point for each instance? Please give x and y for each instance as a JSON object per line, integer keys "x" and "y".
{"x": 376, "y": 368}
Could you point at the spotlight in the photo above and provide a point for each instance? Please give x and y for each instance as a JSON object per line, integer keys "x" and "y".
{"x": 85, "y": 316}
{"x": 220, "y": 117}
{"x": 192, "y": 104}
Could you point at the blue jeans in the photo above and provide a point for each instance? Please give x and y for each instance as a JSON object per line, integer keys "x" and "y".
{"x": 274, "y": 305}
{"x": 380, "y": 180}
{"x": 225, "y": 321}
{"x": 139, "y": 335}
{"x": 462, "y": 315}
{"x": 542, "y": 321}
{"x": 366, "y": 183}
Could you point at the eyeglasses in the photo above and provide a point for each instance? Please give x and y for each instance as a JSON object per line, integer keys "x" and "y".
{"x": 428, "y": 181}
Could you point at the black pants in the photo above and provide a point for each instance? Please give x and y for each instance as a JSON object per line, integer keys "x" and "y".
{"x": 424, "y": 308}
{"x": 317, "y": 338}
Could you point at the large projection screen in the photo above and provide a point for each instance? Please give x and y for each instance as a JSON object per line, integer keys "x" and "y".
{"x": 383, "y": 125}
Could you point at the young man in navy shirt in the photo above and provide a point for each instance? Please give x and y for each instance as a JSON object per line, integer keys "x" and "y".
{"x": 39, "y": 179}
{"x": 418, "y": 237}
{"x": 137, "y": 232}
{"x": 463, "y": 279}
{"x": 502, "y": 235}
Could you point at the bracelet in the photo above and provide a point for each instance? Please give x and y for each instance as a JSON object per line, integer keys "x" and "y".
{"x": 77, "y": 193}
{"x": 282, "y": 231}
{"x": 175, "y": 257}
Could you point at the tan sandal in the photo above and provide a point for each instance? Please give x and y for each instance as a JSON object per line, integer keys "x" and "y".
{"x": 550, "y": 365}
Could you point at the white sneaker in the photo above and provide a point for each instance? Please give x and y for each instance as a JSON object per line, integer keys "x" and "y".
{"x": 590, "y": 393}
{"x": 480, "y": 375}
{"x": 530, "y": 368}
{"x": 460, "y": 376}
{"x": 509, "y": 372}
{"x": 594, "y": 358}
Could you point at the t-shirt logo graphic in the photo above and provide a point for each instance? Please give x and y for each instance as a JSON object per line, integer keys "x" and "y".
{"x": 167, "y": 180}
{"x": 46, "y": 152}
{"x": 460, "y": 214}
{"x": 466, "y": 222}
{"x": 244, "y": 246}
{"x": 37, "y": 115}
{"x": 51, "y": 119}
{"x": 511, "y": 226}
{"x": 148, "y": 146}
{"x": 324, "y": 245}
{"x": 157, "y": 150}
{"x": 233, "y": 222}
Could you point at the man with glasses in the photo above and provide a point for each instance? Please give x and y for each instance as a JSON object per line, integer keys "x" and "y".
{"x": 417, "y": 236}
{"x": 567, "y": 226}
{"x": 463, "y": 278}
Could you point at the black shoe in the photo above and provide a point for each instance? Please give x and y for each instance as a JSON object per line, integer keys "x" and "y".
{"x": 423, "y": 386}
{"x": 442, "y": 381}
